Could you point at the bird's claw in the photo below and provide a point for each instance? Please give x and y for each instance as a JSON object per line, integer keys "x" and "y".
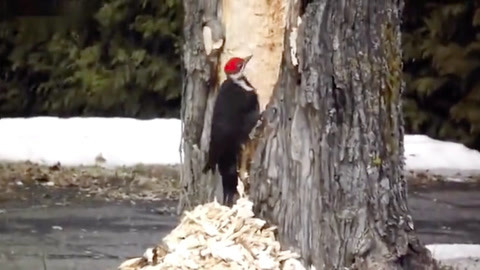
{"x": 253, "y": 133}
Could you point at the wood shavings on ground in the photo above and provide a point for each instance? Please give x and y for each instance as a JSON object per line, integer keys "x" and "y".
{"x": 213, "y": 236}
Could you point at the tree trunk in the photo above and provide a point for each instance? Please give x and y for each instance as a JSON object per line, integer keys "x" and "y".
{"x": 329, "y": 169}
{"x": 196, "y": 79}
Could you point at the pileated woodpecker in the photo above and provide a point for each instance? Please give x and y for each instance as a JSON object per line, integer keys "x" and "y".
{"x": 235, "y": 114}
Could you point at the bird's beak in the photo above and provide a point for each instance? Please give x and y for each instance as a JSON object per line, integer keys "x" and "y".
{"x": 246, "y": 59}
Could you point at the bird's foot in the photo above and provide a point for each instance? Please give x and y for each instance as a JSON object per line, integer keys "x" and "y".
{"x": 228, "y": 200}
{"x": 229, "y": 197}
{"x": 254, "y": 132}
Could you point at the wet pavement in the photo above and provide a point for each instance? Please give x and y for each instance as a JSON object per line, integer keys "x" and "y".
{"x": 62, "y": 233}
{"x": 447, "y": 214}
{"x": 60, "y": 230}
{"x": 89, "y": 236}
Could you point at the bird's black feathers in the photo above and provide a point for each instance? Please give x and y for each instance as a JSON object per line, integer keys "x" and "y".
{"x": 235, "y": 113}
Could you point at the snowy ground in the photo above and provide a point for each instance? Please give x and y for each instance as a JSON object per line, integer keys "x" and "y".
{"x": 80, "y": 141}
{"x": 459, "y": 256}
{"x": 127, "y": 142}
{"x": 446, "y": 158}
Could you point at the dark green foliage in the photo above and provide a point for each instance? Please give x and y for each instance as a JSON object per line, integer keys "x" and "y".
{"x": 441, "y": 46}
{"x": 103, "y": 58}
{"x": 122, "y": 58}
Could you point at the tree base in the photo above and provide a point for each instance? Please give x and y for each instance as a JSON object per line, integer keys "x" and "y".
{"x": 418, "y": 257}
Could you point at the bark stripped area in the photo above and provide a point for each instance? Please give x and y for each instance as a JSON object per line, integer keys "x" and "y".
{"x": 251, "y": 27}
{"x": 255, "y": 27}
{"x": 329, "y": 170}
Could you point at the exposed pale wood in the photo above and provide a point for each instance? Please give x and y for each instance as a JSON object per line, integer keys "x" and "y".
{"x": 255, "y": 27}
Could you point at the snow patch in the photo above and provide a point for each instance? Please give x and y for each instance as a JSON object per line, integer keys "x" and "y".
{"x": 128, "y": 141}
{"x": 86, "y": 141}
{"x": 454, "y": 251}
{"x": 457, "y": 256}
{"x": 425, "y": 153}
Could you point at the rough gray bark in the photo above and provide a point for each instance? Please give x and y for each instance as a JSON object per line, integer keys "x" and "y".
{"x": 329, "y": 170}
{"x": 198, "y": 90}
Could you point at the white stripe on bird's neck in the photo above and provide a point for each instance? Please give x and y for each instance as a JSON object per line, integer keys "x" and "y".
{"x": 239, "y": 79}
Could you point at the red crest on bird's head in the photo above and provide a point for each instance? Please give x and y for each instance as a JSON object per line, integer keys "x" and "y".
{"x": 235, "y": 65}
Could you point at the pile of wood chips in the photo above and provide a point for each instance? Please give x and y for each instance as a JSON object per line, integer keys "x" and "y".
{"x": 213, "y": 236}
